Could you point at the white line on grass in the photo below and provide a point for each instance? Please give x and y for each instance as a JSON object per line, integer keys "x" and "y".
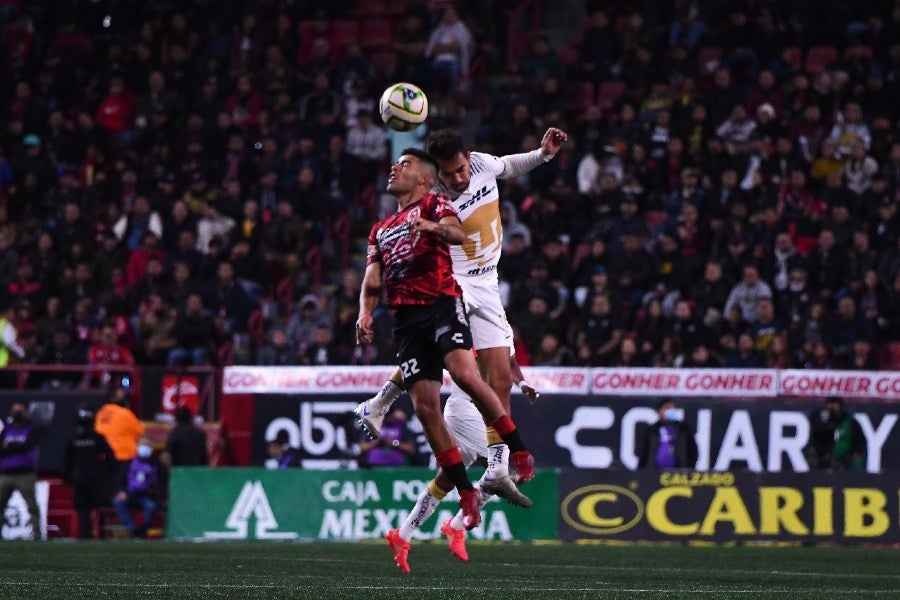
{"x": 705, "y": 571}
{"x": 432, "y": 588}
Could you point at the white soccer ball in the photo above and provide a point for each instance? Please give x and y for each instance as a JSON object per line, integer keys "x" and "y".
{"x": 403, "y": 106}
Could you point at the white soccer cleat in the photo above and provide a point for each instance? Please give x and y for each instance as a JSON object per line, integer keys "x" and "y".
{"x": 370, "y": 417}
{"x": 506, "y": 489}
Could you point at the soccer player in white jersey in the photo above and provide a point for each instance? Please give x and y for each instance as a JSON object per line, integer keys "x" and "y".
{"x": 467, "y": 427}
{"x": 470, "y": 178}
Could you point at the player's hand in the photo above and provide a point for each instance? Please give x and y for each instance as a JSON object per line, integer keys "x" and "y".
{"x": 553, "y": 140}
{"x": 529, "y": 392}
{"x": 364, "y": 333}
{"x": 421, "y": 224}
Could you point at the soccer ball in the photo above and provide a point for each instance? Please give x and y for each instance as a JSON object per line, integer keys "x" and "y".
{"x": 403, "y": 106}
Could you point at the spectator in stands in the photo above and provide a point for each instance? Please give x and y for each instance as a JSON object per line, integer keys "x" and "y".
{"x": 189, "y": 143}
{"x": 394, "y": 445}
{"x": 228, "y": 300}
{"x": 18, "y": 462}
{"x": 107, "y": 350}
{"x": 139, "y": 485}
{"x": 668, "y": 443}
{"x": 278, "y": 350}
{"x": 281, "y": 454}
{"x": 847, "y": 327}
{"x": 450, "y": 48}
{"x": 745, "y": 294}
{"x": 186, "y": 444}
{"x": 87, "y": 463}
{"x": 9, "y": 337}
{"x": 850, "y": 129}
{"x": 139, "y": 220}
{"x": 195, "y": 333}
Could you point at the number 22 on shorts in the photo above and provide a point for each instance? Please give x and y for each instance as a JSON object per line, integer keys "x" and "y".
{"x": 409, "y": 367}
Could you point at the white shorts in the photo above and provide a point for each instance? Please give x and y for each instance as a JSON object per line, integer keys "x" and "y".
{"x": 467, "y": 426}
{"x": 487, "y": 318}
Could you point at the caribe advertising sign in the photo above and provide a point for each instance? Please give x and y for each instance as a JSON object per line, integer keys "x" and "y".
{"x": 346, "y": 505}
{"x": 718, "y": 507}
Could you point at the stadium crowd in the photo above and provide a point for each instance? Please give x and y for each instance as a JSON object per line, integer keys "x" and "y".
{"x": 191, "y": 183}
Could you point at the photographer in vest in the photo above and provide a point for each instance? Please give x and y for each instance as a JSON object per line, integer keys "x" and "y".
{"x": 18, "y": 462}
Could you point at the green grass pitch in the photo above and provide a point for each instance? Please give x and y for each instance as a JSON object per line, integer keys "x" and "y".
{"x": 264, "y": 570}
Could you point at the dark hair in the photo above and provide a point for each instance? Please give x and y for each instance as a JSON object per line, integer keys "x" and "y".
{"x": 445, "y": 144}
{"x": 183, "y": 415}
{"x": 422, "y": 156}
{"x": 663, "y": 401}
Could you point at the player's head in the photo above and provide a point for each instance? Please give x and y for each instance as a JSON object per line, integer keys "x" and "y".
{"x": 413, "y": 170}
{"x": 452, "y": 156}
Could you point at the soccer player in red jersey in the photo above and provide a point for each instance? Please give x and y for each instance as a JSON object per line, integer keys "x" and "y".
{"x": 409, "y": 255}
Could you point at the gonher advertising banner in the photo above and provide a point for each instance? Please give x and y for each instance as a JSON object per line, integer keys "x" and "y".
{"x": 246, "y": 504}
{"x": 729, "y": 507}
{"x": 731, "y": 434}
{"x": 686, "y": 383}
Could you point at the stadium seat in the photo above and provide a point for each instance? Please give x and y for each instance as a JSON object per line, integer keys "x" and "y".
{"x": 866, "y": 52}
{"x": 256, "y": 326}
{"x": 793, "y": 56}
{"x": 708, "y": 59}
{"x": 383, "y": 61}
{"x": 370, "y": 8}
{"x": 377, "y": 33}
{"x": 819, "y": 58}
{"x": 579, "y": 97}
{"x": 312, "y": 260}
{"x": 346, "y": 31}
{"x": 581, "y": 252}
{"x": 610, "y": 92}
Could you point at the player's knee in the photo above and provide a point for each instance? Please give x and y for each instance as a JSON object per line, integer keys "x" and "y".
{"x": 426, "y": 409}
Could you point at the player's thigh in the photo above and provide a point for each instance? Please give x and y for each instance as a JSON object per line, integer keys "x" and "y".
{"x": 493, "y": 364}
{"x": 487, "y": 319}
{"x": 467, "y": 426}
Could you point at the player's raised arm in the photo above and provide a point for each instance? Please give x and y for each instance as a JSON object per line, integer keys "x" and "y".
{"x": 519, "y": 164}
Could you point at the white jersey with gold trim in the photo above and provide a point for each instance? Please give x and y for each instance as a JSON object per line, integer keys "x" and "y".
{"x": 479, "y": 213}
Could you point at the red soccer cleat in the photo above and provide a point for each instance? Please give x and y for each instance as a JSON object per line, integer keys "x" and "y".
{"x": 470, "y": 503}
{"x": 523, "y": 464}
{"x": 457, "y": 539}
{"x": 400, "y": 548}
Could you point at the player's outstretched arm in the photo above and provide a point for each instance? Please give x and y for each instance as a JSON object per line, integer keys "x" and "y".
{"x": 515, "y": 165}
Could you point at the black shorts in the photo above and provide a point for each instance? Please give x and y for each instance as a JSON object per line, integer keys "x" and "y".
{"x": 425, "y": 334}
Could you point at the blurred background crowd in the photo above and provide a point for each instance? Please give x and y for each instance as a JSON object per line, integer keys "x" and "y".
{"x": 192, "y": 182}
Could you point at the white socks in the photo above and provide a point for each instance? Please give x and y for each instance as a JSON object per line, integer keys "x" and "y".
{"x": 424, "y": 508}
{"x": 382, "y": 401}
{"x": 498, "y": 461}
